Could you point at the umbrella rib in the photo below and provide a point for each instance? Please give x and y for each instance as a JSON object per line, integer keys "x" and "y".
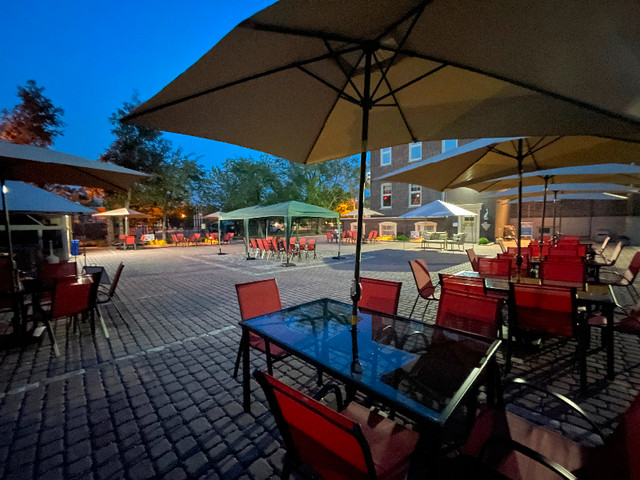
{"x": 341, "y": 93}
{"x": 518, "y": 83}
{"x": 416, "y": 13}
{"x": 347, "y": 75}
{"x": 136, "y": 114}
{"x": 404, "y": 119}
{"x": 410, "y": 82}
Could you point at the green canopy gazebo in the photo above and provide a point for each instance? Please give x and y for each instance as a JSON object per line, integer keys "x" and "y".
{"x": 287, "y": 210}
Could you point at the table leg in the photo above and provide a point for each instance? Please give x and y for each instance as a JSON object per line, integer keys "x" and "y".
{"x": 609, "y": 337}
{"x": 246, "y": 375}
{"x": 582, "y": 357}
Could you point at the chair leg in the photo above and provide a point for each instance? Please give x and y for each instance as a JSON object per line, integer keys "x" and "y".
{"x": 237, "y": 365}
{"x": 54, "y": 344}
{"x": 104, "y": 326}
{"x": 424, "y": 312}
{"x": 267, "y": 348}
{"x": 113, "y": 301}
{"x": 414, "y": 306}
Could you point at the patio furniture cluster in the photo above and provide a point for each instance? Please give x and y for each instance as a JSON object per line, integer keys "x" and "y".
{"x": 412, "y": 366}
{"x": 442, "y": 241}
{"x": 274, "y": 247}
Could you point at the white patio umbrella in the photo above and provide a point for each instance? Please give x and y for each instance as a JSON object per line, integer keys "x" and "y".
{"x": 121, "y": 212}
{"x": 316, "y": 81}
{"x": 216, "y": 216}
{"x": 438, "y": 209}
{"x": 367, "y": 212}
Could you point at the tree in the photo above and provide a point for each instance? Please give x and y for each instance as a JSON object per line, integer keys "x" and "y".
{"x": 176, "y": 183}
{"x": 35, "y": 121}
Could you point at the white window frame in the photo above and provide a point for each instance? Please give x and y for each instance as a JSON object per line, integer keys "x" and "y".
{"x": 412, "y": 146}
{"x": 411, "y": 185}
{"x": 391, "y": 225}
{"x": 449, "y": 140}
{"x": 382, "y": 185}
{"x": 384, "y": 152}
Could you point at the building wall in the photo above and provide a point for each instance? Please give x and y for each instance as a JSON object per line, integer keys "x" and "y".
{"x": 400, "y": 193}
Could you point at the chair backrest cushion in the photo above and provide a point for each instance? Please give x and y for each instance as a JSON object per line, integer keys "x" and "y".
{"x": 116, "y": 279}
{"x": 468, "y": 312}
{"x": 258, "y": 298}
{"x": 421, "y": 275}
{"x": 380, "y": 295}
{"x": 498, "y": 267}
{"x": 325, "y": 440}
{"x": 70, "y": 297}
{"x": 545, "y": 309}
{"x": 562, "y": 270}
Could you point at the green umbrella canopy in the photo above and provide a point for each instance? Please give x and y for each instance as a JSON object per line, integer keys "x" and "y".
{"x": 285, "y": 209}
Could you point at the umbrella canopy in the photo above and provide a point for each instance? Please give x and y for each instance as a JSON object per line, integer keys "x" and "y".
{"x": 438, "y": 209}
{"x": 564, "y": 188}
{"x": 25, "y": 198}
{"x": 609, "y": 173}
{"x": 575, "y": 196}
{"x": 213, "y": 215}
{"x": 41, "y": 165}
{"x": 435, "y": 72}
{"x": 491, "y": 158}
{"x": 315, "y": 81}
{"x": 121, "y": 212}
{"x": 367, "y": 212}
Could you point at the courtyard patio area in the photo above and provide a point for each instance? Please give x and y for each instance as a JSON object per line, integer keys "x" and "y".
{"x": 157, "y": 399}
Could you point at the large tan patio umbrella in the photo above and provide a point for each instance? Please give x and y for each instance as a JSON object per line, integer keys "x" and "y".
{"x": 125, "y": 213}
{"x": 216, "y": 216}
{"x": 482, "y": 161}
{"x": 560, "y": 190}
{"x": 314, "y": 81}
{"x": 41, "y": 165}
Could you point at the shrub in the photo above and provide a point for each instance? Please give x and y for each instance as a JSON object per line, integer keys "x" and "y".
{"x": 402, "y": 238}
{"x": 483, "y": 241}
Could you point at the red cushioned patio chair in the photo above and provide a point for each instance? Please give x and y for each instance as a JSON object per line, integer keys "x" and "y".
{"x": 424, "y": 283}
{"x": 562, "y": 270}
{"x": 380, "y": 295}
{"x": 254, "y": 299}
{"x": 353, "y": 443}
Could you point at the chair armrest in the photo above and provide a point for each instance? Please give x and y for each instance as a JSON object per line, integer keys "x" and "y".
{"x": 560, "y": 397}
{"x": 331, "y": 388}
{"x": 511, "y": 444}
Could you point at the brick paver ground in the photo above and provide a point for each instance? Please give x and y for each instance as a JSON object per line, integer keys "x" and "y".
{"x": 157, "y": 399}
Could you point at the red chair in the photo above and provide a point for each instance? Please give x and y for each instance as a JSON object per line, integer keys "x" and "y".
{"x": 424, "y": 283}
{"x": 254, "y": 246}
{"x": 494, "y": 267}
{"x": 109, "y": 295}
{"x": 545, "y": 309}
{"x": 524, "y": 267}
{"x": 375, "y": 236}
{"x": 380, "y": 295}
{"x": 473, "y": 259}
{"x": 562, "y": 271}
{"x": 329, "y": 237}
{"x": 515, "y": 448}
{"x": 469, "y": 312}
{"x": 628, "y": 277}
{"x": 310, "y": 247}
{"x": 534, "y": 249}
{"x": 70, "y": 298}
{"x": 254, "y": 299}
{"x": 594, "y": 266}
{"x": 474, "y": 285}
{"x": 48, "y": 273}
{"x": 353, "y": 443}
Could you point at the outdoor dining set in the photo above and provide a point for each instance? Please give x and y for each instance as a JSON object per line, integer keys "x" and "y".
{"x": 53, "y": 292}
{"x": 430, "y": 373}
{"x": 274, "y": 247}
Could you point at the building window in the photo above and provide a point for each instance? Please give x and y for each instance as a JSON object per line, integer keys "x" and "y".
{"x": 385, "y": 156}
{"x": 388, "y": 229}
{"x": 449, "y": 145}
{"x": 415, "y": 151}
{"x": 385, "y": 189}
{"x": 415, "y": 195}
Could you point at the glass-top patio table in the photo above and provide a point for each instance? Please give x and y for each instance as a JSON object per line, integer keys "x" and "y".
{"x": 423, "y": 371}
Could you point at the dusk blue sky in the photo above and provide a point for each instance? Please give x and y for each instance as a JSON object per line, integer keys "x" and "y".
{"x": 92, "y": 55}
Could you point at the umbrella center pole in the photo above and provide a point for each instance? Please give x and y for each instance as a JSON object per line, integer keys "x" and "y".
{"x": 356, "y": 288}
{"x": 7, "y": 231}
{"x": 520, "y": 157}
{"x": 544, "y": 207}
